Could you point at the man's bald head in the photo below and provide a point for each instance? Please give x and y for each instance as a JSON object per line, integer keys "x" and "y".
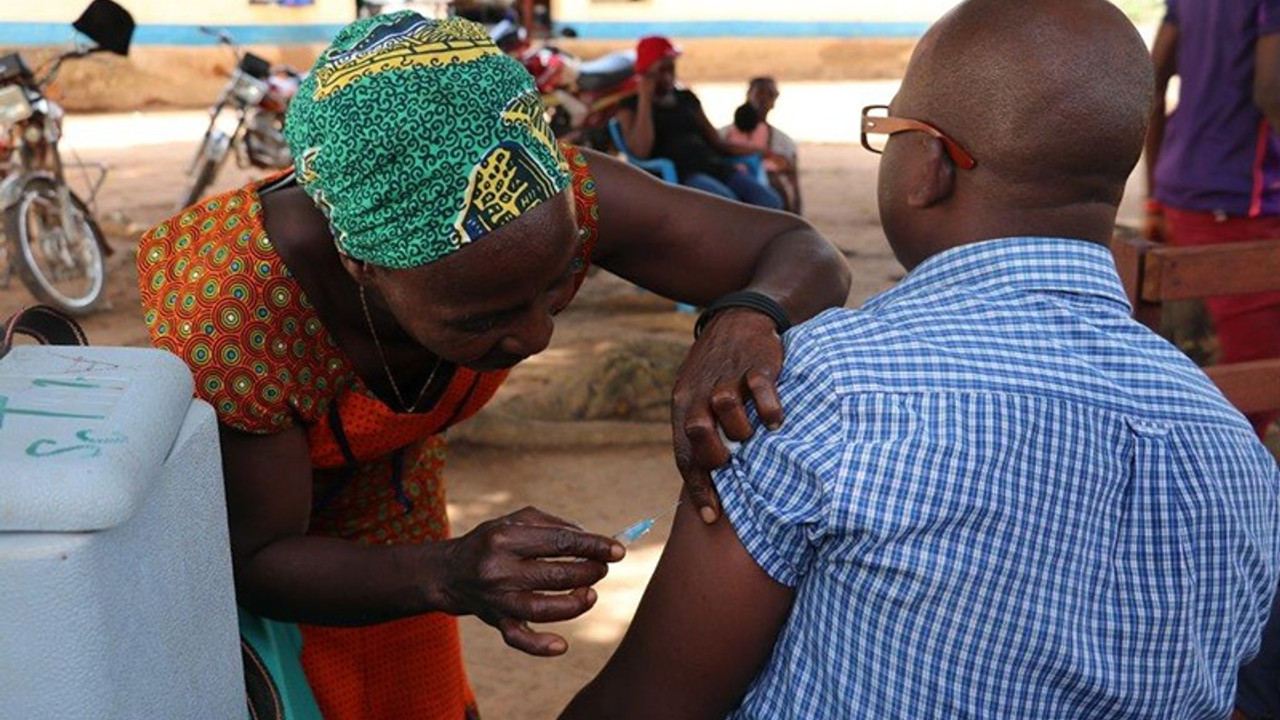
{"x": 1051, "y": 97}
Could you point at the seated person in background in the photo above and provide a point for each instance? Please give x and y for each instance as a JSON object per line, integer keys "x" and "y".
{"x": 751, "y": 128}
{"x": 663, "y": 120}
{"x": 996, "y": 494}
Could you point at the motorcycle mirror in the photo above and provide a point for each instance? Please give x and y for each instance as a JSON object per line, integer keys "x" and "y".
{"x": 107, "y": 24}
{"x": 255, "y": 66}
{"x": 222, "y": 35}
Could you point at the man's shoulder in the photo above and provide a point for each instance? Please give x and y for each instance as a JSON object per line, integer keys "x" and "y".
{"x": 685, "y": 95}
{"x": 842, "y": 337}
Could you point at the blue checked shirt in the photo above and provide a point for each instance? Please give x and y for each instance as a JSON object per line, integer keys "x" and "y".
{"x": 997, "y": 496}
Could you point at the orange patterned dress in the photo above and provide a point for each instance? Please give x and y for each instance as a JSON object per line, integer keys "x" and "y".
{"x": 216, "y": 294}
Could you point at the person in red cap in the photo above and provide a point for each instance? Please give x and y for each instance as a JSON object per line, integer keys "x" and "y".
{"x": 664, "y": 120}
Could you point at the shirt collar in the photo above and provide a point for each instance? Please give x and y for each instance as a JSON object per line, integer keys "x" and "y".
{"x": 1029, "y": 264}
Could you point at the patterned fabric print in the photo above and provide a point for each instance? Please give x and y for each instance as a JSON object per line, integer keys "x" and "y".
{"x": 403, "y": 42}
{"x": 504, "y": 185}
{"x": 586, "y": 209}
{"x": 408, "y": 669}
{"x": 364, "y": 507}
{"x": 215, "y": 293}
{"x": 404, "y": 134}
{"x": 373, "y": 429}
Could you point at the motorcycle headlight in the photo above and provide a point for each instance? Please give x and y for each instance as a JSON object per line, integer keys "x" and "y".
{"x": 14, "y": 105}
{"x": 32, "y": 134}
{"x": 248, "y": 89}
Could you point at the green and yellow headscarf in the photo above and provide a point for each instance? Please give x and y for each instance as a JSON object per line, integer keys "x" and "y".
{"x": 417, "y": 136}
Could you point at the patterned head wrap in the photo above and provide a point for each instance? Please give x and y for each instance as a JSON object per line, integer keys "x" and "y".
{"x": 417, "y": 136}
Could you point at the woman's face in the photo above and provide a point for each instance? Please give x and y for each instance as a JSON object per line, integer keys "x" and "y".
{"x": 763, "y": 95}
{"x": 493, "y": 303}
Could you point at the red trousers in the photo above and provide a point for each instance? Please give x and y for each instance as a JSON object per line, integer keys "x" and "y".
{"x": 1248, "y": 326}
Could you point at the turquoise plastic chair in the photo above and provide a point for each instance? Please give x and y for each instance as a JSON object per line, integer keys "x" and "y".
{"x": 755, "y": 166}
{"x": 662, "y": 167}
{"x": 665, "y": 169}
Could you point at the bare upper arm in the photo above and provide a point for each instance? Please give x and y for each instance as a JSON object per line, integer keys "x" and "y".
{"x": 268, "y": 484}
{"x": 626, "y": 118}
{"x": 1164, "y": 55}
{"x": 706, "y": 626}
{"x": 1266, "y": 83}
{"x": 676, "y": 241}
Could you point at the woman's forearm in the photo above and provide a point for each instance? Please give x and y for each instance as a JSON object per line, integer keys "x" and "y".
{"x": 327, "y": 581}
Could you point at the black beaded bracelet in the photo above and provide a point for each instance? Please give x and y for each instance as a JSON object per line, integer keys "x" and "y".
{"x": 746, "y": 299}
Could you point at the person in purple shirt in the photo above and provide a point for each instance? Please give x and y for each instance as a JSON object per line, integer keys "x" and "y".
{"x": 1213, "y": 171}
{"x": 1214, "y": 164}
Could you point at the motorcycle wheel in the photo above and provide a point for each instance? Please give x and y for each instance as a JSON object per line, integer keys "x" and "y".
{"x": 201, "y": 179}
{"x": 209, "y": 164}
{"x": 64, "y": 269}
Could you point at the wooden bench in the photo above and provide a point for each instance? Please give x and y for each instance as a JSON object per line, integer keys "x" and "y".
{"x": 1154, "y": 274}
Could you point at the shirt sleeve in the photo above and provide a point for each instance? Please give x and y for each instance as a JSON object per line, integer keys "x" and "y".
{"x": 1268, "y": 17}
{"x": 773, "y": 489}
{"x": 1171, "y": 12}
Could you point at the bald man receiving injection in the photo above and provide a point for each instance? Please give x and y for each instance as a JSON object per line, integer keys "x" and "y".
{"x": 996, "y": 495}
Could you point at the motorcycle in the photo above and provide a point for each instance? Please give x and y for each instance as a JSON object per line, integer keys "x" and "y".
{"x": 258, "y": 94}
{"x": 583, "y": 96}
{"x": 57, "y": 248}
{"x": 580, "y": 96}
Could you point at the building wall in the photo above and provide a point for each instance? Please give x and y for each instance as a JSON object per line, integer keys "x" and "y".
{"x": 616, "y": 19}
{"x": 174, "y": 22}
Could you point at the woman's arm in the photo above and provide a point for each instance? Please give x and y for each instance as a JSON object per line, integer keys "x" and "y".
{"x": 494, "y": 572}
{"x": 694, "y": 247}
{"x": 1266, "y": 79}
{"x": 706, "y": 626}
{"x": 717, "y": 141}
{"x": 1164, "y": 54}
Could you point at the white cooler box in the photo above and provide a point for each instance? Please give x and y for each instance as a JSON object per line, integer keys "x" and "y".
{"x": 116, "y": 597}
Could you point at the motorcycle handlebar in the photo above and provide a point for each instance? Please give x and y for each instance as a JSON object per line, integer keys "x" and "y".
{"x": 51, "y": 70}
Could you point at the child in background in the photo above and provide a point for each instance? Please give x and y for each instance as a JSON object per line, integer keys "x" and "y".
{"x": 751, "y": 127}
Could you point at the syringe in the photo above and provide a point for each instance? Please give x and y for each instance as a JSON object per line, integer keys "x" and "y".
{"x": 637, "y": 530}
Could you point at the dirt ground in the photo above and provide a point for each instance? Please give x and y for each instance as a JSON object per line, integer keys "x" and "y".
{"x": 157, "y": 78}
{"x": 532, "y": 447}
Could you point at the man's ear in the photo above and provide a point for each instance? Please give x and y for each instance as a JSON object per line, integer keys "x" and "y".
{"x": 936, "y": 179}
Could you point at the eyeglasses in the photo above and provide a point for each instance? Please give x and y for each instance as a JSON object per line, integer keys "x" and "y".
{"x": 878, "y": 126}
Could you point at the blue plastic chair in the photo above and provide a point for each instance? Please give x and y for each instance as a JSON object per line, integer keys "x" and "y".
{"x": 665, "y": 169}
{"x": 755, "y": 165}
{"x": 662, "y": 167}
